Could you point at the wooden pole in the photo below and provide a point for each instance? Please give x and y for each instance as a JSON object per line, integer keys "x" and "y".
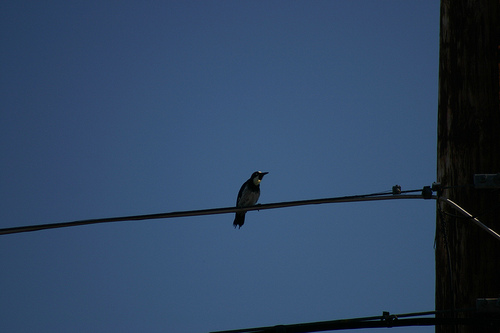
{"x": 468, "y": 258}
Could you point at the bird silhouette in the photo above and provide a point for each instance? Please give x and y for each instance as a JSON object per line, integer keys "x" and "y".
{"x": 248, "y": 195}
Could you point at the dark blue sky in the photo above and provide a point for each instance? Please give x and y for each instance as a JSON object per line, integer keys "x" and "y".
{"x": 125, "y": 108}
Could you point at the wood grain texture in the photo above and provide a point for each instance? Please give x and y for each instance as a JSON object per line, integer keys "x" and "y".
{"x": 468, "y": 144}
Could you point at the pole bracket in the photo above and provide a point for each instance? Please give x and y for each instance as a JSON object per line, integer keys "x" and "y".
{"x": 485, "y": 181}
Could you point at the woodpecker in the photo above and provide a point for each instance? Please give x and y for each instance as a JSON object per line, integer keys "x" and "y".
{"x": 248, "y": 195}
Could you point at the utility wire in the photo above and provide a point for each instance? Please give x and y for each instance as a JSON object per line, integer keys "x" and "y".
{"x": 474, "y": 219}
{"x": 444, "y": 231}
{"x": 386, "y": 320}
{"x": 426, "y": 194}
{"x": 212, "y": 211}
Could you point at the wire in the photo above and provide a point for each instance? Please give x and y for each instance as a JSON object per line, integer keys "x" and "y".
{"x": 476, "y": 215}
{"x": 448, "y": 254}
{"x": 386, "y": 320}
{"x": 354, "y": 198}
{"x": 475, "y": 220}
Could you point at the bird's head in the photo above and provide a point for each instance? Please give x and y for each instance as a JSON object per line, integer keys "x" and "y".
{"x": 257, "y": 176}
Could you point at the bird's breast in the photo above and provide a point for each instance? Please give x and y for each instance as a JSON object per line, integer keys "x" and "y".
{"x": 248, "y": 197}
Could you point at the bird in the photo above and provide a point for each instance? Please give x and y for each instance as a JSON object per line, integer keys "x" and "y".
{"x": 248, "y": 195}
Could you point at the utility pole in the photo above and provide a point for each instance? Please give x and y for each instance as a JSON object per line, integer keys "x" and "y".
{"x": 468, "y": 258}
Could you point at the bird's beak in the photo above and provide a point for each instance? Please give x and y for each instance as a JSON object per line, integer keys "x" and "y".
{"x": 261, "y": 175}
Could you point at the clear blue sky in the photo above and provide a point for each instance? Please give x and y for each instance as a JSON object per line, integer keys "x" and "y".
{"x": 138, "y": 107}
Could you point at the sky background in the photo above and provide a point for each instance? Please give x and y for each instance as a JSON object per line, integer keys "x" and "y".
{"x": 139, "y": 107}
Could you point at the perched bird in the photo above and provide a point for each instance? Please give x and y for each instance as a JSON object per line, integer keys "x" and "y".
{"x": 248, "y": 195}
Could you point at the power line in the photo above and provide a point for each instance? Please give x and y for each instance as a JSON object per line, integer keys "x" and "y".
{"x": 426, "y": 193}
{"x": 386, "y": 320}
{"x": 471, "y": 217}
{"x": 213, "y": 211}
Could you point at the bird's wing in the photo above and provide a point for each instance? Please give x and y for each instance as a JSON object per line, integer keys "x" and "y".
{"x": 240, "y": 193}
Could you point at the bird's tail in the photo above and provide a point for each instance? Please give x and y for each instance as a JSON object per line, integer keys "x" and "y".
{"x": 239, "y": 220}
